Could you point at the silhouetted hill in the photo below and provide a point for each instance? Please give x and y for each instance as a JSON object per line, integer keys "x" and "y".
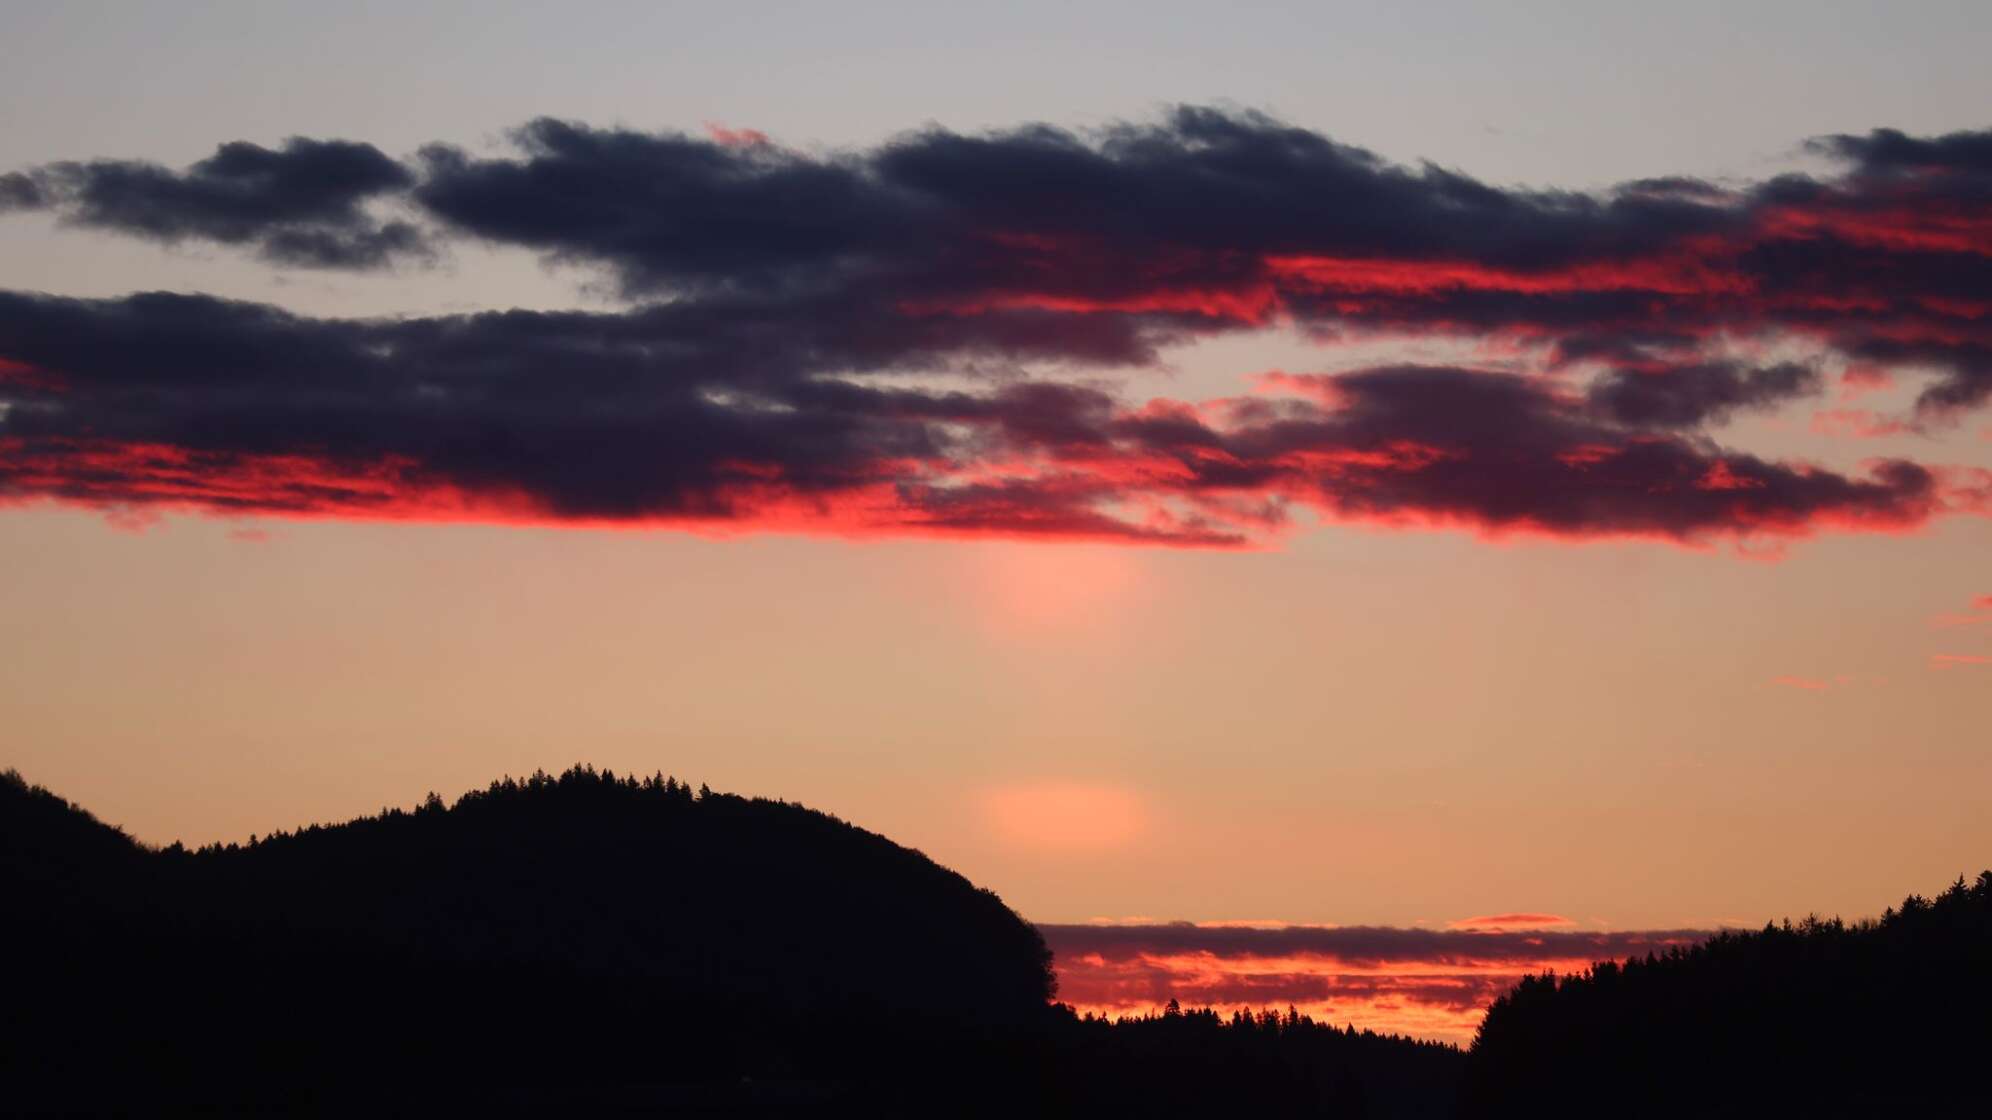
{"x": 622, "y": 878}
{"x": 55, "y": 853}
{"x": 1880, "y": 1018}
{"x": 589, "y": 944}
{"x": 579, "y": 929}
{"x": 1198, "y": 1063}
{"x": 584, "y": 944}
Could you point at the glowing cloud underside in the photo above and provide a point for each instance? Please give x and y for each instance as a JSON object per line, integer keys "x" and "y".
{"x": 1427, "y": 983}
{"x": 791, "y": 320}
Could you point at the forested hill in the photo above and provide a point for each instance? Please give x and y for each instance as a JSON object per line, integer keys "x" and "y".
{"x": 55, "y": 852}
{"x": 589, "y": 944}
{"x": 537, "y": 927}
{"x": 1891, "y": 1017}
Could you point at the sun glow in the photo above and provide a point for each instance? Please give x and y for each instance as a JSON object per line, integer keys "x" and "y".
{"x": 1065, "y": 817}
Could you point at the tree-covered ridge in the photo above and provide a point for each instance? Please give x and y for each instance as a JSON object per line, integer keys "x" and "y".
{"x": 1189, "y": 1062}
{"x": 620, "y": 875}
{"x": 583, "y": 943}
{"x": 1836, "y": 1017}
{"x": 49, "y": 846}
{"x": 587, "y": 942}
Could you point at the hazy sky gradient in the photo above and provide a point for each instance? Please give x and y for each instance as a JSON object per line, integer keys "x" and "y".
{"x": 1357, "y": 726}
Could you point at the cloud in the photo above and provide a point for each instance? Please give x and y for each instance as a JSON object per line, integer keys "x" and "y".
{"x": 301, "y": 204}
{"x": 917, "y": 338}
{"x": 1859, "y": 380}
{"x": 1511, "y": 921}
{"x": 1803, "y": 684}
{"x": 20, "y": 192}
{"x": 1956, "y": 660}
{"x": 725, "y": 414}
{"x": 1368, "y": 946}
{"x": 736, "y": 137}
{"x": 1506, "y": 453}
{"x": 1887, "y": 151}
{"x": 1977, "y": 613}
{"x": 676, "y": 212}
{"x": 1688, "y": 396}
{"x": 700, "y": 416}
{"x": 1858, "y": 423}
{"x": 1433, "y": 983}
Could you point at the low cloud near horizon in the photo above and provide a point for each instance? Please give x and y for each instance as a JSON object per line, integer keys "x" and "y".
{"x": 1431, "y": 983}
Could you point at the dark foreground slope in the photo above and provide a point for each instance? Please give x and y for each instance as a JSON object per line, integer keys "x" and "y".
{"x": 585, "y": 944}
{"x": 1884, "y": 1018}
{"x": 574, "y": 931}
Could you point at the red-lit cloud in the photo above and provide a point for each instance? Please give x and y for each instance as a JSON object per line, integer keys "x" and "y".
{"x": 1859, "y": 423}
{"x": 1430, "y": 983}
{"x": 1512, "y": 922}
{"x": 1977, "y": 613}
{"x": 792, "y": 317}
{"x": 735, "y": 137}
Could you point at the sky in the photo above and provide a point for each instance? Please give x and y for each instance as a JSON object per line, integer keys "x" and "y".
{"x": 1431, "y": 474}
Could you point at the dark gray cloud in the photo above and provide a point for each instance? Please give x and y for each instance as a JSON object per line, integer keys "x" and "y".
{"x": 940, "y": 212}
{"x": 733, "y": 412}
{"x": 1367, "y": 945}
{"x": 707, "y": 413}
{"x": 787, "y": 310}
{"x": 673, "y": 211}
{"x": 1891, "y": 150}
{"x": 1965, "y": 363}
{"x": 302, "y": 204}
{"x": 20, "y": 192}
{"x": 1497, "y": 451}
{"x": 1687, "y": 396}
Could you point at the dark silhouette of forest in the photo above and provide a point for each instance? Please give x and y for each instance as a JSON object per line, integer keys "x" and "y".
{"x": 1826, "y": 1018}
{"x": 589, "y": 943}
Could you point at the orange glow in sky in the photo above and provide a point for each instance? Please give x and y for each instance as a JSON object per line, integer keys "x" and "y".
{"x": 1064, "y": 817}
{"x": 1023, "y": 590}
{"x": 1426, "y": 983}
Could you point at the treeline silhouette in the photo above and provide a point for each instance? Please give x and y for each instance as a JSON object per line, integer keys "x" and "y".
{"x": 1827, "y": 1018}
{"x": 590, "y": 943}
{"x": 1182, "y": 1062}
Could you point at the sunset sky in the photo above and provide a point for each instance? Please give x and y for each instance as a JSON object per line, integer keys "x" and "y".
{"x": 1440, "y": 475}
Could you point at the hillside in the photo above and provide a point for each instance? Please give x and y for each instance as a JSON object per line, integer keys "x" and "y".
{"x": 587, "y": 944}
{"x": 544, "y": 931}
{"x": 53, "y": 852}
{"x": 1883, "y": 1017}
